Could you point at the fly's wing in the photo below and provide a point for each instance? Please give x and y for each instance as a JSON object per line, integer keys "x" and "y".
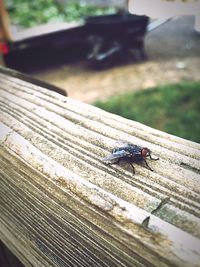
{"x": 121, "y": 143}
{"x": 131, "y": 148}
{"x": 114, "y": 157}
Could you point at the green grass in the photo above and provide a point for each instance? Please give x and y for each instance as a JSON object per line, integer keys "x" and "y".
{"x": 28, "y": 13}
{"x": 174, "y": 109}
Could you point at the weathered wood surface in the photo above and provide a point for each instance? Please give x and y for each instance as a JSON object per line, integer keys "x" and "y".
{"x": 62, "y": 206}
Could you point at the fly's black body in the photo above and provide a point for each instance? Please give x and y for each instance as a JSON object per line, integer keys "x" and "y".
{"x": 129, "y": 153}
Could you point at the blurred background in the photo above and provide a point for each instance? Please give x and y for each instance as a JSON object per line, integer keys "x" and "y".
{"x": 142, "y": 67}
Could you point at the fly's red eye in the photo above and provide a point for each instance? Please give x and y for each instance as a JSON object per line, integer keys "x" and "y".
{"x": 144, "y": 152}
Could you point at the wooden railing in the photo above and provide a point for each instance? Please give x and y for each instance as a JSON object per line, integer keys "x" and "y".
{"x": 62, "y": 206}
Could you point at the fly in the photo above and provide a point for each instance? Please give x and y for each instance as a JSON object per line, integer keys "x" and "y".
{"x": 129, "y": 153}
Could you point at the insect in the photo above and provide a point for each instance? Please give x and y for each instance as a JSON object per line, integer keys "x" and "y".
{"x": 129, "y": 153}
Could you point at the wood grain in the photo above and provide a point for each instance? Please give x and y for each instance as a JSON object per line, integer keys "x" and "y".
{"x": 62, "y": 206}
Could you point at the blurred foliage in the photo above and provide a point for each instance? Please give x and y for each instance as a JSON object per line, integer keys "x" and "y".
{"x": 171, "y": 108}
{"x": 27, "y": 13}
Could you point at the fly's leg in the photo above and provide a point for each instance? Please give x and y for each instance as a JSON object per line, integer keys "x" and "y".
{"x": 133, "y": 168}
{"x": 153, "y": 158}
{"x": 146, "y": 164}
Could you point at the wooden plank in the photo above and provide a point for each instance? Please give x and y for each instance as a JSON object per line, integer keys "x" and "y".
{"x": 4, "y": 23}
{"x": 30, "y": 79}
{"x": 62, "y": 206}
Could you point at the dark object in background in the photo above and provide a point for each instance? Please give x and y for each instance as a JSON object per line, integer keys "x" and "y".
{"x": 100, "y": 40}
{"x": 129, "y": 153}
{"x": 41, "y": 50}
{"x": 115, "y": 38}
